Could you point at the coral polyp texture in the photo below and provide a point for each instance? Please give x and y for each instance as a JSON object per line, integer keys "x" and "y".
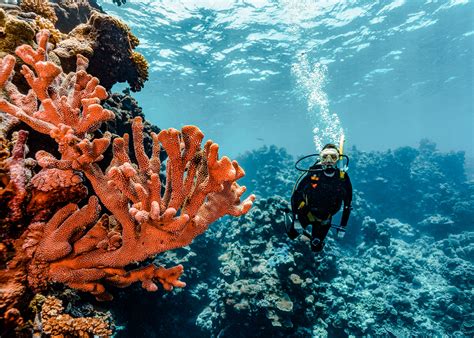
{"x": 42, "y": 8}
{"x": 54, "y": 322}
{"x": 79, "y": 246}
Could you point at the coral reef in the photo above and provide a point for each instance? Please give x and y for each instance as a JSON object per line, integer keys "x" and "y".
{"x": 271, "y": 165}
{"x": 404, "y": 268}
{"x": 40, "y": 7}
{"x": 387, "y": 277}
{"x": 395, "y": 283}
{"x": 78, "y": 246}
{"x": 16, "y": 30}
{"x": 54, "y": 322}
{"x": 98, "y": 40}
{"x": 414, "y": 183}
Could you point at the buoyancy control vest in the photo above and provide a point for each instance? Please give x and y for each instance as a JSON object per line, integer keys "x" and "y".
{"x": 319, "y": 195}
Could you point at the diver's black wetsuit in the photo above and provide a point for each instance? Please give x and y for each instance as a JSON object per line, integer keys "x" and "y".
{"x": 317, "y": 198}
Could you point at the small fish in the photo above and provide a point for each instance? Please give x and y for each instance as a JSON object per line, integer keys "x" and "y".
{"x": 260, "y": 139}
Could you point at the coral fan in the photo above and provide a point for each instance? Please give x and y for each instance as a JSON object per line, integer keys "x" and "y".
{"x": 78, "y": 247}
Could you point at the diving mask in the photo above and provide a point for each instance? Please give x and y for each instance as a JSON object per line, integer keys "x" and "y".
{"x": 329, "y": 157}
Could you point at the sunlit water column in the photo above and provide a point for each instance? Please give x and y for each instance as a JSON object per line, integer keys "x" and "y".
{"x": 311, "y": 78}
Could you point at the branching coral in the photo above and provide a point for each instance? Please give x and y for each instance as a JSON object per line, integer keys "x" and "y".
{"x": 77, "y": 246}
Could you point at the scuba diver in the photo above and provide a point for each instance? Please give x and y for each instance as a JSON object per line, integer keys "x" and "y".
{"x": 319, "y": 196}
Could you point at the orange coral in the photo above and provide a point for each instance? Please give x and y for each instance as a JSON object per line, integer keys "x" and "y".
{"x": 76, "y": 247}
{"x": 55, "y": 186}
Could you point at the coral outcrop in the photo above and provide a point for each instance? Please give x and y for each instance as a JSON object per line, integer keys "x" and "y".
{"x": 56, "y": 323}
{"x": 98, "y": 40}
{"x": 42, "y": 8}
{"x": 272, "y": 165}
{"x": 77, "y": 28}
{"x": 395, "y": 282}
{"x": 80, "y": 247}
{"x": 70, "y": 14}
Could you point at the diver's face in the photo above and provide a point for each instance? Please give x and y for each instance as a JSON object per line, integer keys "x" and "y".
{"x": 329, "y": 157}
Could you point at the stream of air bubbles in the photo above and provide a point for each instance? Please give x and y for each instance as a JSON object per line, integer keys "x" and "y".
{"x": 311, "y": 78}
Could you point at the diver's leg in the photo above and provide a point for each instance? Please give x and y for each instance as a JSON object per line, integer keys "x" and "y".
{"x": 319, "y": 232}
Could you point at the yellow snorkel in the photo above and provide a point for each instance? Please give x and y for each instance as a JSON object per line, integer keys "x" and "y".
{"x": 341, "y": 153}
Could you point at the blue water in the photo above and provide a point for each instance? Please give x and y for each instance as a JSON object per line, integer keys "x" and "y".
{"x": 301, "y": 73}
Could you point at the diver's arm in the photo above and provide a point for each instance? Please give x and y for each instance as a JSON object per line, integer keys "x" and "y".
{"x": 347, "y": 202}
